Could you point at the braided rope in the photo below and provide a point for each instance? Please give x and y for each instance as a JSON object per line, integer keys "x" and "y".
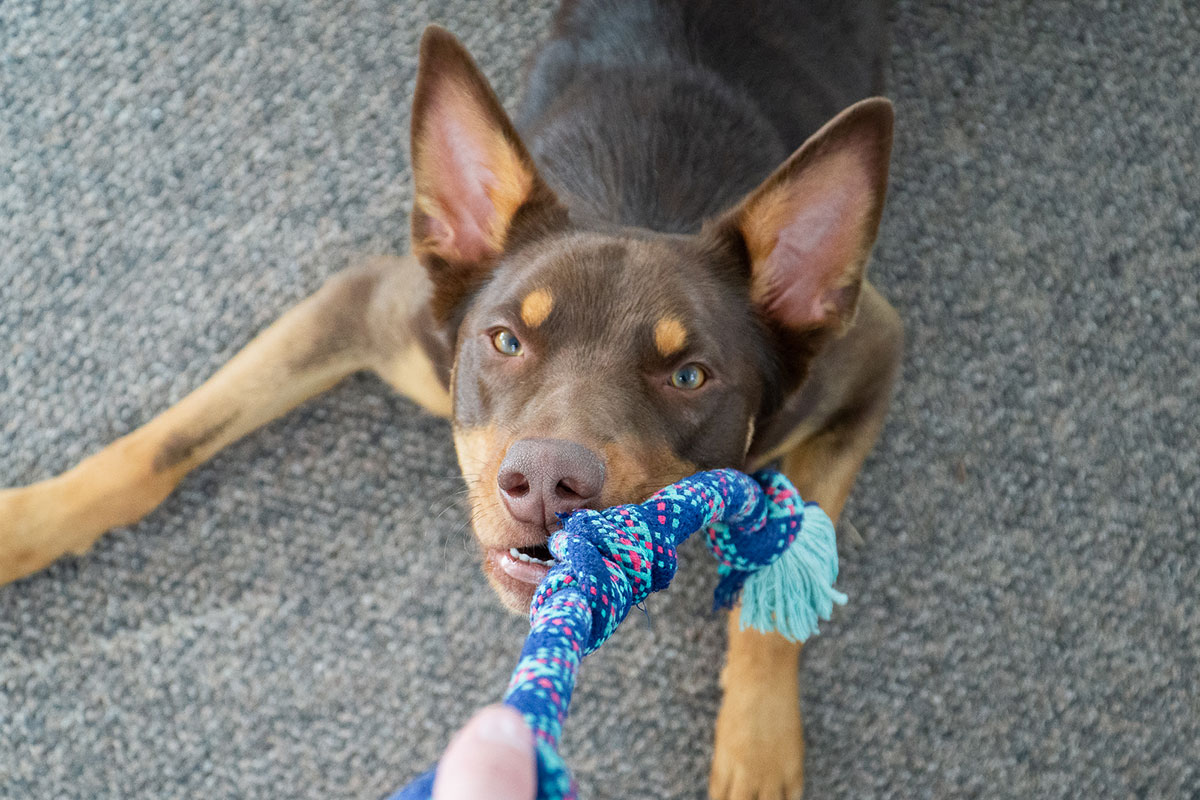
{"x": 771, "y": 547}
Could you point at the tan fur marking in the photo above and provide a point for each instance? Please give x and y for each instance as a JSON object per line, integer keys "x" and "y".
{"x": 636, "y": 468}
{"x": 669, "y": 335}
{"x": 536, "y": 306}
{"x": 771, "y": 211}
{"x": 411, "y": 373}
{"x": 480, "y": 451}
{"x": 514, "y": 183}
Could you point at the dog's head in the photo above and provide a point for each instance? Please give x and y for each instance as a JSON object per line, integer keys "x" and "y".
{"x": 595, "y": 365}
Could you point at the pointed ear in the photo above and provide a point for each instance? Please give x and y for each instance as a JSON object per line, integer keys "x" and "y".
{"x": 472, "y": 174}
{"x": 809, "y": 228}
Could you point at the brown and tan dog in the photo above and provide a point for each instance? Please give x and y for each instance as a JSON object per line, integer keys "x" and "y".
{"x": 618, "y": 296}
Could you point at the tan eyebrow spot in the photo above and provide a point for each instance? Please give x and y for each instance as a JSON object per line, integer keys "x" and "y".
{"x": 536, "y": 307}
{"x": 669, "y": 335}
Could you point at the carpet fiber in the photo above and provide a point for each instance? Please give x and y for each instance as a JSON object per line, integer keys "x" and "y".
{"x": 1023, "y": 618}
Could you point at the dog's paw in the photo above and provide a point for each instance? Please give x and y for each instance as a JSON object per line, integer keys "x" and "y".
{"x": 19, "y": 551}
{"x": 759, "y": 750}
{"x": 34, "y": 531}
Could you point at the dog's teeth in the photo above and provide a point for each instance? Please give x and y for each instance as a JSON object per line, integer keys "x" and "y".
{"x": 517, "y": 555}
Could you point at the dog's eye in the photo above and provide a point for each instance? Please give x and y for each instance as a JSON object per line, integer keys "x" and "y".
{"x": 504, "y": 341}
{"x": 689, "y": 376}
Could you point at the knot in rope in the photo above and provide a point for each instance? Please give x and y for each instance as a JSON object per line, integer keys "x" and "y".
{"x": 615, "y": 558}
{"x": 767, "y": 526}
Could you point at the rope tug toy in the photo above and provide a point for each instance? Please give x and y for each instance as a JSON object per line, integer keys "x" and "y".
{"x": 778, "y": 552}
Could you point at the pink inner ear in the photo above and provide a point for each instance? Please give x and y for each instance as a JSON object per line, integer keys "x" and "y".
{"x": 465, "y": 216}
{"x": 820, "y": 243}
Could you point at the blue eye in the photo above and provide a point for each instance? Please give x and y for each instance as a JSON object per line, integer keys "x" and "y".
{"x": 505, "y": 342}
{"x": 689, "y": 376}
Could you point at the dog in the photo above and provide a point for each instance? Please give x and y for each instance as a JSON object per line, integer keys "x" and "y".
{"x": 658, "y": 268}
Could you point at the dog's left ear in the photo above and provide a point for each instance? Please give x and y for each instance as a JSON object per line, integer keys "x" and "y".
{"x": 809, "y": 228}
{"x": 473, "y": 178}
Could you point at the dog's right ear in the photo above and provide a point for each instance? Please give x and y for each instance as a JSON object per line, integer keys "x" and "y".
{"x": 809, "y": 228}
{"x": 473, "y": 177}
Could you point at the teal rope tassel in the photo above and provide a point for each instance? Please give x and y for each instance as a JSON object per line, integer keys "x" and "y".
{"x": 790, "y": 594}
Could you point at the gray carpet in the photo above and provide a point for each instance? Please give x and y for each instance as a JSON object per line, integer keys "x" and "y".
{"x": 304, "y": 617}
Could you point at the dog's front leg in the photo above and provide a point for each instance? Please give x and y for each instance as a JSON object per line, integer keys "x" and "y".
{"x": 306, "y": 351}
{"x": 759, "y": 748}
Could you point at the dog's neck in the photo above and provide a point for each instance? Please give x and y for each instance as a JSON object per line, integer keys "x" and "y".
{"x": 660, "y": 114}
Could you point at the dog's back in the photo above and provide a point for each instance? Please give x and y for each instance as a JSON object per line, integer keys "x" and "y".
{"x": 659, "y": 113}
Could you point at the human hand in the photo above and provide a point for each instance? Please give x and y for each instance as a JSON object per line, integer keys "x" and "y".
{"x": 490, "y": 758}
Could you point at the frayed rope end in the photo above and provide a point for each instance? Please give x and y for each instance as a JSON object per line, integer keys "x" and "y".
{"x": 793, "y": 592}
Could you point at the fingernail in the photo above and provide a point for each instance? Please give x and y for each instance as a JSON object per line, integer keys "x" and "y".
{"x": 503, "y": 725}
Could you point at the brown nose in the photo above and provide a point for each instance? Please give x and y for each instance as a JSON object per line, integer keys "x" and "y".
{"x": 542, "y": 478}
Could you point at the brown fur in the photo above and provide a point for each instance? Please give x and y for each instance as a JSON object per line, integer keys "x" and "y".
{"x": 410, "y": 320}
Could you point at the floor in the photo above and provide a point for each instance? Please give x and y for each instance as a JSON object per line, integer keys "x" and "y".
{"x": 305, "y": 616}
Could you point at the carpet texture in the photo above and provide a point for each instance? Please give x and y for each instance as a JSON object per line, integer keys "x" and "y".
{"x": 1023, "y": 619}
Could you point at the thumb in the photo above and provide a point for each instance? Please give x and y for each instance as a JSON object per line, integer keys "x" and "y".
{"x": 491, "y": 758}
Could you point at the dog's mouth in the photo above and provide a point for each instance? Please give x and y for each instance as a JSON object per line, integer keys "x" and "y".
{"x": 538, "y": 554}
{"x": 520, "y": 569}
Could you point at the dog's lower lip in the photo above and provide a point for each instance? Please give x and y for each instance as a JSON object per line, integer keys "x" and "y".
{"x": 523, "y": 571}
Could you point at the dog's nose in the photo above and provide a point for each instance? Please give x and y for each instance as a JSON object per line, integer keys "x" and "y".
{"x": 542, "y": 478}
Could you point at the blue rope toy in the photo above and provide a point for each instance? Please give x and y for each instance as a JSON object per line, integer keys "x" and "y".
{"x": 774, "y": 550}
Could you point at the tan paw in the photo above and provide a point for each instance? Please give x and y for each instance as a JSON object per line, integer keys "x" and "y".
{"x": 45, "y": 521}
{"x": 22, "y": 551}
{"x": 759, "y": 751}
{"x": 66, "y": 514}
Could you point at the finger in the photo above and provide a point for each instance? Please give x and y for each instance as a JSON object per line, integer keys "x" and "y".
{"x": 491, "y": 758}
